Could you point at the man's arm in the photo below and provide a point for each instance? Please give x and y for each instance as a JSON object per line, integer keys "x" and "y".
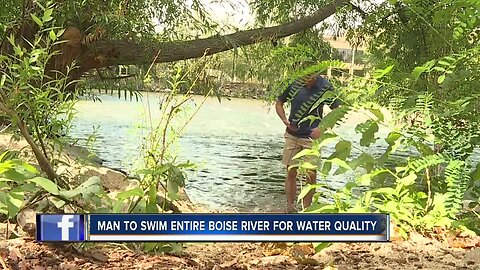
{"x": 281, "y": 112}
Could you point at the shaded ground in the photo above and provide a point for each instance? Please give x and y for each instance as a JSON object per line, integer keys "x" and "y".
{"x": 416, "y": 253}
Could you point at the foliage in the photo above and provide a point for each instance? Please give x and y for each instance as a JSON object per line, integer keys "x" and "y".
{"x": 422, "y": 191}
{"x": 22, "y": 186}
{"x": 32, "y": 99}
{"x": 114, "y": 19}
{"x": 160, "y": 176}
{"x": 427, "y": 75}
{"x": 39, "y": 109}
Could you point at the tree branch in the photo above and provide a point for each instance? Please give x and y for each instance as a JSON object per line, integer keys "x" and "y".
{"x": 104, "y": 53}
{"x": 363, "y": 14}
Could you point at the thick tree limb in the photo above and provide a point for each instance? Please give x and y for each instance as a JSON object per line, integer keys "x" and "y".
{"x": 104, "y": 53}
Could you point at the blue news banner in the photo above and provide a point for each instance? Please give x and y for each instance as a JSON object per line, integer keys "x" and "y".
{"x": 214, "y": 227}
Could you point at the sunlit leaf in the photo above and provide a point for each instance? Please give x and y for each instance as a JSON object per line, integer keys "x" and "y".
{"x": 130, "y": 193}
{"x": 36, "y": 20}
{"x": 307, "y": 189}
{"x": 14, "y": 202}
{"x": 408, "y": 180}
{"x": 441, "y": 78}
{"x": 46, "y": 184}
{"x": 339, "y": 162}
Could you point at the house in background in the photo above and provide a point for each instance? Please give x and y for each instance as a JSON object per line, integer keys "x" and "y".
{"x": 352, "y": 56}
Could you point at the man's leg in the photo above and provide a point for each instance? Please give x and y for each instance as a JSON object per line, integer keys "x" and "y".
{"x": 311, "y": 179}
{"x": 291, "y": 188}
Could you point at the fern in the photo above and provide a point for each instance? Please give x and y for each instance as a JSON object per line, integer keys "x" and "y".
{"x": 300, "y": 77}
{"x": 334, "y": 117}
{"x": 424, "y": 104}
{"x": 425, "y": 162}
{"x": 456, "y": 180}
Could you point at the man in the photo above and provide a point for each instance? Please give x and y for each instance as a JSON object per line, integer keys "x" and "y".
{"x": 302, "y": 94}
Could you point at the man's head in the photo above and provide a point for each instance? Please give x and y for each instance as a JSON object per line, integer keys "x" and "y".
{"x": 310, "y": 80}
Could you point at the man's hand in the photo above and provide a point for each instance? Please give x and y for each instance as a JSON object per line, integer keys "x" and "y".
{"x": 315, "y": 134}
{"x": 290, "y": 126}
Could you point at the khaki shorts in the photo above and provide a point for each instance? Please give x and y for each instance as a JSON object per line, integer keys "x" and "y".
{"x": 293, "y": 145}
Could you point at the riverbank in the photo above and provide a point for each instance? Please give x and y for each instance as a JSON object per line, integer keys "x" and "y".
{"x": 418, "y": 252}
{"x": 78, "y": 165}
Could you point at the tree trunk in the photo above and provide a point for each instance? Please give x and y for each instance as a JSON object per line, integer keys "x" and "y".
{"x": 103, "y": 53}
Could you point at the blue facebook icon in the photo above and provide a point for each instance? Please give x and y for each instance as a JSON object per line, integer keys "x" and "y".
{"x": 60, "y": 228}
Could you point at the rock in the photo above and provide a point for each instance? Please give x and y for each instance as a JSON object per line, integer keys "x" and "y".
{"x": 27, "y": 221}
{"x": 15, "y": 254}
{"x": 271, "y": 249}
{"x": 473, "y": 256}
{"x": 69, "y": 266}
{"x": 63, "y": 169}
{"x": 111, "y": 179}
{"x": 323, "y": 257}
{"x": 98, "y": 256}
{"x": 273, "y": 260}
{"x": 449, "y": 258}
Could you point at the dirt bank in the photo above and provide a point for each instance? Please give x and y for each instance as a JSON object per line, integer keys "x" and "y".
{"x": 416, "y": 253}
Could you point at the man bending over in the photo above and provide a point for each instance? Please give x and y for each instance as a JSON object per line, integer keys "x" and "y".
{"x": 302, "y": 95}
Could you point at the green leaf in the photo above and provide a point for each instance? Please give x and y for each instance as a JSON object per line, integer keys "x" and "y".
{"x": 46, "y": 184}
{"x": 378, "y": 113}
{"x": 327, "y": 95}
{"x": 421, "y": 195}
{"x": 342, "y": 151}
{"x": 326, "y": 138}
{"x": 307, "y": 152}
{"x": 151, "y": 206}
{"x": 15, "y": 176}
{"x": 364, "y": 160}
{"x": 441, "y": 79}
{"x": 57, "y": 202}
{"x": 475, "y": 174}
{"x": 392, "y": 137}
{"x": 91, "y": 186}
{"x": 172, "y": 189}
{"x": 52, "y": 35}
{"x": 368, "y": 130}
{"x": 136, "y": 192}
{"x": 408, "y": 180}
{"x": 145, "y": 171}
{"x": 340, "y": 163}
{"x": 365, "y": 180}
{"x": 444, "y": 63}
{"x": 308, "y": 166}
{"x": 321, "y": 246}
{"x": 418, "y": 71}
{"x": 311, "y": 118}
{"x": 14, "y": 202}
{"x": 47, "y": 15}
{"x": 378, "y": 74}
{"x": 307, "y": 189}
{"x": 333, "y": 117}
{"x": 386, "y": 191}
{"x": 37, "y": 20}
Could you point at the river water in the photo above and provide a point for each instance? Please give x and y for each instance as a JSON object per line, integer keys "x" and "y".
{"x": 236, "y": 144}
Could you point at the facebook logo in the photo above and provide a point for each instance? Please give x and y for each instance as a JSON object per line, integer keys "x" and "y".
{"x": 57, "y": 228}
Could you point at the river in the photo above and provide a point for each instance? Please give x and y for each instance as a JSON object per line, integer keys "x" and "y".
{"x": 237, "y": 145}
